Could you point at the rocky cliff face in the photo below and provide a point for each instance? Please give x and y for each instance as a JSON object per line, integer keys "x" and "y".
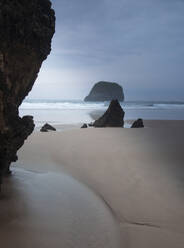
{"x": 105, "y": 91}
{"x": 26, "y": 30}
{"x": 113, "y": 117}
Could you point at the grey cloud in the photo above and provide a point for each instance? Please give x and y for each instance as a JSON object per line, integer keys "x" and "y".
{"x": 140, "y": 43}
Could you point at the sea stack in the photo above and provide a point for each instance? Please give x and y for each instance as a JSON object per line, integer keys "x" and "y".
{"x": 113, "y": 117}
{"x": 26, "y": 28}
{"x": 105, "y": 91}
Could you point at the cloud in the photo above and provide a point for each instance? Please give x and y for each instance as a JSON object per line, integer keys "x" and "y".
{"x": 139, "y": 43}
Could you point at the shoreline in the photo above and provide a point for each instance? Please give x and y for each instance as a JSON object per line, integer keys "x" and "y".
{"x": 72, "y": 112}
{"x": 136, "y": 173}
{"x": 128, "y": 123}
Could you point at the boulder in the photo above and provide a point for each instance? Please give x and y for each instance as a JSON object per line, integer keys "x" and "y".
{"x": 90, "y": 124}
{"x": 113, "y": 117}
{"x": 84, "y": 125}
{"x": 47, "y": 127}
{"x": 105, "y": 91}
{"x": 44, "y": 130}
{"x": 26, "y": 29}
{"x": 138, "y": 124}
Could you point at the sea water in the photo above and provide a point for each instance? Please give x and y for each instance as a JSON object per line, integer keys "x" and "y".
{"x": 78, "y": 111}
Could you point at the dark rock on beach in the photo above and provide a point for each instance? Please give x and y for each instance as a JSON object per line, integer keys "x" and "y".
{"x": 138, "y": 124}
{"x": 47, "y": 127}
{"x": 44, "y": 130}
{"x": 105, "y": 91}
{"x": 91, "y": 124}
{"x": 26, "y": 29}
{"x": 84, "y": 125}
{"x": 113, "y": 117}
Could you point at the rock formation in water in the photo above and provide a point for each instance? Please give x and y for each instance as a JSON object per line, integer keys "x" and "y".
{"x": 113, "y": 117}
{"x": 105, "y": 91}
{"x": 138, "y": 124}
{"x": 47, "y": 127}
{"x": 26, "y": 30}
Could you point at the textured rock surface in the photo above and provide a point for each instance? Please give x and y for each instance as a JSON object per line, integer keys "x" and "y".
{"x": 113, "y": 117}
{"x": 47, "y": 127}
{"x": 138, "y": 124}
{"x": 84, "y": 125}
{"x": 26, "y": 29}
{"x": 105, "y": 91}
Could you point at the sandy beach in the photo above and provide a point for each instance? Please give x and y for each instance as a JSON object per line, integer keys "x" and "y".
{"x": 107, "y": 187}
{"x": 91, "y": 124}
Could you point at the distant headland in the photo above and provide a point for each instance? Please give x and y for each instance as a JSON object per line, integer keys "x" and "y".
{"x": 105, "y": 91}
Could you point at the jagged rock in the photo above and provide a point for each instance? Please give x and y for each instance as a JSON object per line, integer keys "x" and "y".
{"x": 84, "y": 125}
{"x": 138, "y": 124}
{"x": 26, "y": 29}
{"x": 47, "y": 127}
{"x": 44, "y": 130}
{"x": 90, "y": 124}
{"x": 113, "y": 117}
{"x": 105, "y": 91}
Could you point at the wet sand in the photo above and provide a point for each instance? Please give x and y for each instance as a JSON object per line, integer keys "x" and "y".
{"x": 53, "y": 210}
{"x": 137, "y": 176}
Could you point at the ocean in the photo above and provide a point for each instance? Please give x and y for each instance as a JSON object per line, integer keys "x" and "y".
{"x": 77, "y": 111}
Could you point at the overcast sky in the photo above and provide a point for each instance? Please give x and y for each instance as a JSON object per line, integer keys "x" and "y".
{"x": 136, "y": 43}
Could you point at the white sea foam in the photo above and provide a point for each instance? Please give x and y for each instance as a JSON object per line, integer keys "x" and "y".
{"x": 72, "y": 112}
{"x": 81, "y": 105}
{"x": 63, "y": 105}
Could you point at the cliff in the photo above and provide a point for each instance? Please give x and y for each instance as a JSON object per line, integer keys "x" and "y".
{"x": 105, "y": 91}
{"x": 26, "y": 29}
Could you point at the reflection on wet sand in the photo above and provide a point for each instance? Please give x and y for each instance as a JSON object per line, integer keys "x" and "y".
{"x": 53, "y": 210}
